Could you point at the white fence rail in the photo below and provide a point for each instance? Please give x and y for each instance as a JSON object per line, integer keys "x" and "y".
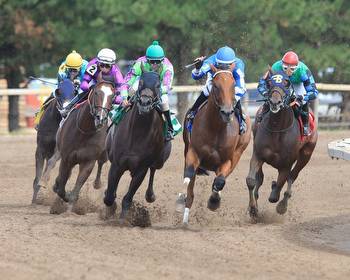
{"x": 194, "y": 88}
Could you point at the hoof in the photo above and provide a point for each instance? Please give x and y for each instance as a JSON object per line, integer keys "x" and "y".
{"x": 58, "y": 206}
{"x": 214, "y": 201}
{"x": 275, "y": 193}
{"x": 108, "y": 211}
{"x": 253, "y": 213}
{"x": 180, "y": 203}
{"x": 150, "y": 198}
{"x": 97, "y": 184}
{"x": 281, "y": 207}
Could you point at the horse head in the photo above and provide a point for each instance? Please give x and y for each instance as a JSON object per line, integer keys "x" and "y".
{"x": 100, "y": 99}
{"x": 148, "y": 93}
{"x": 64, "y": 94}
{"x": 223, "y": 91}
{"x": 279, "y": 90}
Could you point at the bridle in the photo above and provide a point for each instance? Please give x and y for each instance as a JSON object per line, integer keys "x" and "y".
{"x": 214, "y": 95}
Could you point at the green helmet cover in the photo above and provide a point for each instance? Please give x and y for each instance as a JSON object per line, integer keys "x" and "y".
{"x": 155, "y": 51}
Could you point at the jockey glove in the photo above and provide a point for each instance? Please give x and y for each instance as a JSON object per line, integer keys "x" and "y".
{"x": 199, "y": 63}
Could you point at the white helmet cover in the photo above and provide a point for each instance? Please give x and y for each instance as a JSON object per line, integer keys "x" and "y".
{"x": 106, "y": 56}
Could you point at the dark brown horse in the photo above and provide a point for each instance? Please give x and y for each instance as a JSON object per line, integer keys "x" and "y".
{"x": 47, "y": 129}
{"x": 277, "y": 141}
{"x": 81, "y": 139}
{"x": 137, "y": 144}
{"x": 215, "y": 143}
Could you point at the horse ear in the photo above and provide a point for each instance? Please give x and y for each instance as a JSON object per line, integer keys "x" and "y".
{"x": 268, "y": 73}
{"x": 213, "y": 68}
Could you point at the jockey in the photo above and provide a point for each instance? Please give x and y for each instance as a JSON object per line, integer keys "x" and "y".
{"x": 73, "y": 68}
{"x": 154, "y": 60}
{"x": 105, "y": 63}
{"x": 302, "y": 80}
{"x": 223, "y": 59}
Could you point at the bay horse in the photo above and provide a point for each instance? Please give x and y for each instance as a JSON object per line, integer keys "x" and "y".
{"x": 279, "y": 142}
{"x": 214, "y": 143}
{"x": 81, "y": 138}
{"x": 47, "y": 129}
{"x": 137, "y": 144}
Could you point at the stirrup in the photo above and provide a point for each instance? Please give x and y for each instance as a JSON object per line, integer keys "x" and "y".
{"x": 169, "y": 136}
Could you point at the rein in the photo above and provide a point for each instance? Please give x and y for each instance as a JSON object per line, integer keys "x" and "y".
{"x": 93, "y": 108}
{"x": 281, "y": 130}
{"x": 215, "y": 74}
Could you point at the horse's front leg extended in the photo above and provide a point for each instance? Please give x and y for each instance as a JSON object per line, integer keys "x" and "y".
{"x": 219, "y": 182}
{"x": 276, "y": 187}
{"x": 252, "y": 184}
{"x": 51, "y": 163}
{"x": 85, "y": 169}
{"x": 134, "y": 185}
{"x": 62, "y": 178}
{"x": 184, "y": 203}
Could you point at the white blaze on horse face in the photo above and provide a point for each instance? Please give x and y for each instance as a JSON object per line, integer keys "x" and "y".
{"x": 107, "y": 92}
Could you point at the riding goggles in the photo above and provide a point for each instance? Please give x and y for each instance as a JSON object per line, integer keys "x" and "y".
{"x": 154, "y": 61}
{"x": 103, "y": 65}
{"x": 292, "y": 68}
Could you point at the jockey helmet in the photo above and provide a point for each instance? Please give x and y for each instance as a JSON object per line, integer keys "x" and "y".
{"x": 106, "y": 56}
{"x": 155, "y": 52}
{"x": 290, "y": 58}
{"x": 225, "y": 55}
{"x": 74, "y": 60}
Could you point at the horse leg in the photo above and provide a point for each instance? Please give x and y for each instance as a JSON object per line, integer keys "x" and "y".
{"x": 150, "y": 197}
{"x": 100, "y": 162}
{"x": 114, "y": 175}
{"x": 61, "y": 180}
{"x": 85, "y": 169}
{"x": 189, "y": 200}
{"x": 219, "y": 182}
{"x": 191, "y": 165}
{"x": 254, "y": 181}
{"x": 134, "y": 185}
{"x": 277, "y": 186}
{"x": 304, "y": 157}
{"x": 51, "y": 163}
{"x": 39, "y": 164}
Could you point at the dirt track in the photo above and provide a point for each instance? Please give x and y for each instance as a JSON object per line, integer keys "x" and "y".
{"x": 312, "y": 241}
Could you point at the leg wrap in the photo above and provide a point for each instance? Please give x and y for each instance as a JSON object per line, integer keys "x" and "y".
{"x": 219, "y": 183}
{"x": 189, "y": 172}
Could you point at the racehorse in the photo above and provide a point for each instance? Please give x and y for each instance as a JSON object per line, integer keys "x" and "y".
{"x": 214, "y": 143}
{"x": 137, "y": 144}
{"x": 81, "y": 138}
{"x": 278, "y": 141}
{"x": 47, "y": 129}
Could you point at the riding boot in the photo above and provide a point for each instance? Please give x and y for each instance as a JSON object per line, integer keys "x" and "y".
{"x": 170, "y": 133}
{"x": 305, "y": 119}
{"x": 241, "y": 118}
{"x": 200, "y": 100}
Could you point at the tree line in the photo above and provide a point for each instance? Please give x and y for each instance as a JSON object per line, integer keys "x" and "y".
{"x": 36, "y": 35}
